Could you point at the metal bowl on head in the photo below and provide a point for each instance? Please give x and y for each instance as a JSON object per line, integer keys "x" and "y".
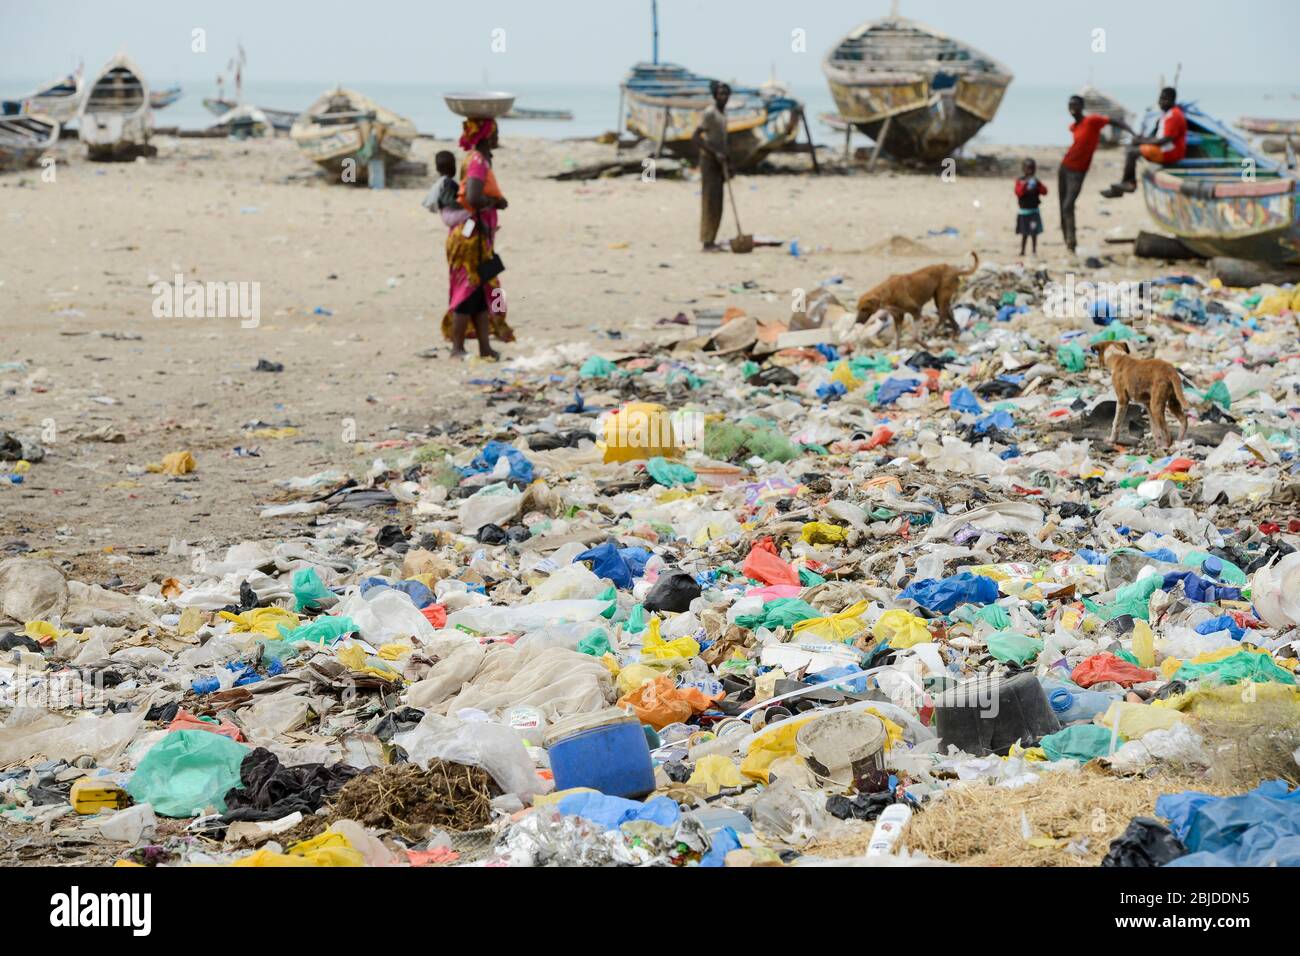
{"x": 479, "y": 105}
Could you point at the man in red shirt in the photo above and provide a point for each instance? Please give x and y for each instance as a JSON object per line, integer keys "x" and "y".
{"x": 1078, "y": 159}
{"x": 1166, "y": 148}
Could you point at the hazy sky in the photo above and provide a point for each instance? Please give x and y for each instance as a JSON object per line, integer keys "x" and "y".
{"x": 595, "y": 41}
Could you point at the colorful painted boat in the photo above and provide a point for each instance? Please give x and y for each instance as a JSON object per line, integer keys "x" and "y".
{"x": 664, "y": 103}
{"x": 343, "y": 130}
{"x": 59, "y": 99}
{"x": 24, "y": 138}
{"x": 920, "y": 93}
{"x": 1096, "y": 101}
{"x": 116, "y": 119}
{"x": 1225, "y": 198}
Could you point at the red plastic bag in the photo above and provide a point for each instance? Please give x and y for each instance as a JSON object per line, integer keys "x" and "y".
{"x": 184, "y": 720}
{"x": 436, "y": 615}
{"x": 764, "y": 565}
{"x": 1103, "y": 667}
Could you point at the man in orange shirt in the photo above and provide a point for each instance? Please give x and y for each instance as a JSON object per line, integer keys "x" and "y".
{"x": 1166, "y": 148}
{"x": 1078, "y": 159}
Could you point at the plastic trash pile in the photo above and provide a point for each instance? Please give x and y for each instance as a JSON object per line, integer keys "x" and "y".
{"x": 768, "y": 595}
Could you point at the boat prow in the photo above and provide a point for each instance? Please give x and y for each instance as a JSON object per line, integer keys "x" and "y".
{"x": 116, "y": 119}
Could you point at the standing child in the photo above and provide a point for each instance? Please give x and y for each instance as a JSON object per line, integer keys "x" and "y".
{"x": 442, "y": 196}
{"x": 1029, "y": 190}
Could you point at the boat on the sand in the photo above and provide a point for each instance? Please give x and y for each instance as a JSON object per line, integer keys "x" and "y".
{"x": 24, "y": 138}
{"x": 664, "y": 104}
{"x": 917, "y": 92}
{"x": 344, "y": 130}
{"x": 279, "y": 119}
{"x": 116, "y": 119}
{"x": 1224, "y": 198}
{"x": 60, "y": 99}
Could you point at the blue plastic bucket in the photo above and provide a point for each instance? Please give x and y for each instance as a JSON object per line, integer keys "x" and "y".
{"x": 612, "y": 758}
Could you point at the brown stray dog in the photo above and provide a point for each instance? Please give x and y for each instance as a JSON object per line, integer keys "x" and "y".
{"x": 1154, "y": 382}
{"x": 907, "y": 294}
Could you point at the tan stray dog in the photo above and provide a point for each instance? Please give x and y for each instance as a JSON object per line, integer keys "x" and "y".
{"x": 907, "y": 294}
{"x": 1153, "y": 382}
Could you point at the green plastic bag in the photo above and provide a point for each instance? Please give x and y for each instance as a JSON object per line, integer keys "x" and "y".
{"x": 780, "y": 612}
{"x": 187, "y": 771}
{"x": 1244, "y": 665}
{"x": 668, "y": 473}
{"x": 636, "y": 620}
{"x": 596, "y": 643}
{"x": 1131, "y": 599}
{"x": 323, "y": 630}
{"x": 610, "y": 594}
{"x": 1218, "y": 393}
{"x": 278, "y": 651}
{"x": 1018, "y": 648}
{"x": 596, "y": 367}
{"x": 308, "y": 590}
{"x": 809, "y": 578}
{"x": 1082, "y": 742}
{"x": 992, "y": 614}
{"x": 1071, "y": 357}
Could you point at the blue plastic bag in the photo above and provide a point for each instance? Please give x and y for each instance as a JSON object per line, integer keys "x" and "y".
{"x": 420, "y": 595}
{"x": 892, "y": 389}
{"x": 608, "y": 562}
{"x": 613, "y": 812}
{"x": 944, "y": 594}
{"x": 521, "y": 469}
{"x": 964, "y": 400}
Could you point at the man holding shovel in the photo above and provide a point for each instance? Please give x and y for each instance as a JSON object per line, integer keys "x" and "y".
{"x": 711, "y": 140}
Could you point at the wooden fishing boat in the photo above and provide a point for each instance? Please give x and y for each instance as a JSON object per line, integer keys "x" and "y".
{"x": 161, "y": 99}
{"x": 343, "y": 131}
{"x": 24, "y": 138}
{"x": 59, "y": 99}
{"x": 1096, "y": 101}
{"x": 244, "y": 122}
{"x": 664, "y": 104}
{"x": 115, "y": 119}
{"x": 1224, "y": 198}
{"x": 1274, "y": 127}
{"x": 921, "y": 95}
{"x": 279, "y": 119}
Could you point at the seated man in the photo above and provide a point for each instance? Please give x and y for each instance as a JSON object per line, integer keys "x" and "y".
{"x": 1166, "y": 148}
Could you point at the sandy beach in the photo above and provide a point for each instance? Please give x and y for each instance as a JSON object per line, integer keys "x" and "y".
{"x": 352, "y": 287}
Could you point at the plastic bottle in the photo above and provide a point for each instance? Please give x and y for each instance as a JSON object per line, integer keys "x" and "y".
{"x": 889, "y": 827}
{"x": 1071, "y": 703}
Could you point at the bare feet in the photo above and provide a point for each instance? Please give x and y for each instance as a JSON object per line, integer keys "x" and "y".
{"x": 457, "y": 354}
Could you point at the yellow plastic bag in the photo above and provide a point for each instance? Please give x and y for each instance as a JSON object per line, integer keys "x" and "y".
{"x": 640, "y": 430}
{"x": 177, "y": 463}
{"x": 354, "y": 657}
{"x": 901, "y": 629}
{"x": 327, "y": 849}
{"x": 773, "y": 743}
{"x": 844, "y": 375}
{"x": 821, "y": 532}
{"x": 634, "y": 675}
{"x": 262, "y": 620}
{"x": 656, "y": 648}
{"x": 1137, "y": 720}
{"x": 44, "y": 631}
{"x": 715, "y": 772}
{"x": 842, "y": 627}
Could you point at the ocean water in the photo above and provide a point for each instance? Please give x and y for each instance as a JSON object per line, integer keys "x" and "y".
{"x": 1030, "y": 115}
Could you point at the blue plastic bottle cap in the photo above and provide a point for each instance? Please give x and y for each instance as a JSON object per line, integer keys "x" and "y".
{"x": 1212, "y": 566}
